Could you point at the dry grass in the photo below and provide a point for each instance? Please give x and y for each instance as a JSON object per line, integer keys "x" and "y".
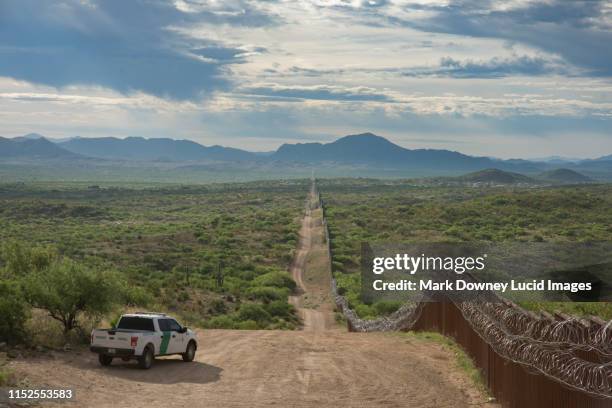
{"x": 43, "y": 331}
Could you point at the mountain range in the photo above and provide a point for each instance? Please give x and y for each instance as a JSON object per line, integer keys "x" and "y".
{"x": 365, "y": 153}
{"x": 138, "y": 148}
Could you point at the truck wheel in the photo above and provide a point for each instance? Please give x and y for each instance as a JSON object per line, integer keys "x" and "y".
{"x": 146, "y": 360}
{"x": 189, "y": 354}
{"x": 105, "y": 360}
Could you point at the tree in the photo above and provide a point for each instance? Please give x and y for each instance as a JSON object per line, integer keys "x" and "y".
{"x": 13, "y": 311}
{"x": 66, "y": 289}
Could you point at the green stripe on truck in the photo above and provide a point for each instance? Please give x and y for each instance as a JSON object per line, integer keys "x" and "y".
{"x": 163, "y": 348}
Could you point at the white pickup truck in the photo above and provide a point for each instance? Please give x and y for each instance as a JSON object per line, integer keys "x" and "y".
{"x": 142, "y": 336}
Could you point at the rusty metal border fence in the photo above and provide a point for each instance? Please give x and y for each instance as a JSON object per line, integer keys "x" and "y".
{"x": 526, "y": 359}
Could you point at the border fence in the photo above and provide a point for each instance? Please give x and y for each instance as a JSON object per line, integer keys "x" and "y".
{"x": 526, "y": 359}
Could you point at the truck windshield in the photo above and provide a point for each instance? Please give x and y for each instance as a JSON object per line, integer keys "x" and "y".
{"x": 136, "y": 323}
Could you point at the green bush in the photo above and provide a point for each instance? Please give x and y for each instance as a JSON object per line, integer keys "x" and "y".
{"x": 248, "y": 325}
{"x": 13, "y": 311}
{"x": 276, "y": 278}
{"x": 218, "y": 306}
{"x": 221, "y": 322}
{"x": 20, "y": 259}
{"x": 251, "y": 311}
{"x": 7, "y": 376}
{"x": 386, "y": 307}
{"x": 138, "y": 296}
{"x": 365, "y": 311}
{"x": 281, "y": 324}
{"x": 267, "y": 293}
{"x": 280, "y": 308}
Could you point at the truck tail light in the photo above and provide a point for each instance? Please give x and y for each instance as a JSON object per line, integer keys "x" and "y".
{"x": 134, "y": 341}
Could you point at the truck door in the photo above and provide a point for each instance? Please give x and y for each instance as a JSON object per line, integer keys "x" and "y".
{"x": 177, "y": 339}
{"x": 166, "y": 345}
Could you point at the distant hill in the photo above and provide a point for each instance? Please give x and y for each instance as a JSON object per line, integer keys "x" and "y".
{"x": 370, "y": 149}
{"x": 29, "y": 147}
{"x": 163, "y": 149}
{"x": 564, "y": 176}
{"x": 496, "y": 176}
{"x": 363, "y": 148}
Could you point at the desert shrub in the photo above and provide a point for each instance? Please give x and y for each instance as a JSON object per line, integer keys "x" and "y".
{"x": 386, "y": 307}
{"x": 275, "y": 278}
{"x": 280, "y": 308}
{"x": 221, "y": 322}
{"x": 218, "y": 306}
{"x": 20, "y": 259}
{"x": 138, "y": 296}
{"x": 248, "y": 325}
{"x": 251, "y": 311}
{"x": 13, "y": 311}
{"x": 349, "y": 285}
{"x": 183, "y": 296}
{"x": 7, "y": 376}
{"x": 267, "y": 293}
{"x": 365, "y": 311}
{"x": 338, "y": 266}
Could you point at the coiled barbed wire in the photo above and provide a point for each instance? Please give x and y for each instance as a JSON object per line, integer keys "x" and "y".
{"x": 551, "y": 359}
{"x": 568, "y": 330}
{"x": 406, "y": 316}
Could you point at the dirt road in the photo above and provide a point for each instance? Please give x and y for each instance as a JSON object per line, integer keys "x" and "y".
{"x": 319, "y": 316}
{"x": 320, "y": 366}
{"x": 269, "y": 368}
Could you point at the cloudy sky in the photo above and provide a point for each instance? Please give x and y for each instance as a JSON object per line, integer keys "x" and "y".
{"x": 516, "y": 78}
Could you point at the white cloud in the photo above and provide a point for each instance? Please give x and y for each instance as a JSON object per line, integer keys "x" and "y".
{"x": 311, "y": 69}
